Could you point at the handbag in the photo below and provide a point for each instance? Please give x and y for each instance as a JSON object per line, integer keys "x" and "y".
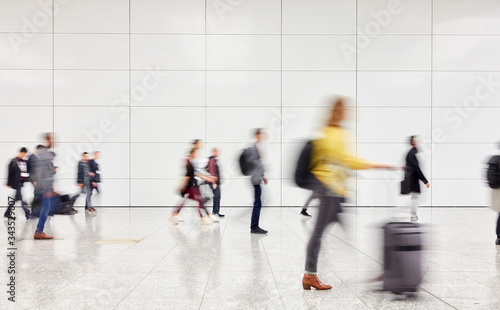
{"x": 405, "y": 184}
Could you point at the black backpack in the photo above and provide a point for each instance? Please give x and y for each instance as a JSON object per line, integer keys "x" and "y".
{"x": 493, "y": 172}
{"x": 303, "y": 175}
{"x": 245, "y": 163}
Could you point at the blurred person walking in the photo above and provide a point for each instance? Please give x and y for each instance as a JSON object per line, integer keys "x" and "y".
{"x": 329, "y": 162}
{"x": 190, "y": 188}
{"x": 85, "y": 181}
{"x": 213, "y": 169}
{"x": 410, "y": 185}
{"x": 17, "y": 175}
{"x": 95, "y": 173}
{"x": 493, "y": 179}
{"x": 45, "y": 184}
{"x": 257, "y": 177}
{"x": 33, "y": 161}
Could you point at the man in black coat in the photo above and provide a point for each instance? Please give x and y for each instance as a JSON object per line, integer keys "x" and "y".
{"x": 95, "y": 175}
{"x": 84, "y": 181}
{"x": 412, "y": 177}
{"x": 17, "y": 175}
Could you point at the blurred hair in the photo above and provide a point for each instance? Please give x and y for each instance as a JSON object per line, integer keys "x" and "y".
{"x": 84, "y": 153}
{"x": 23, "y": 150}
{"x": 39, "y": 146}
{"x": 192, "y": 151}
{"x": 258, "y": 131}
{"x": 337, "y": 114}
{"x": 412, "y": 140}
{"x": 196, "y": 141}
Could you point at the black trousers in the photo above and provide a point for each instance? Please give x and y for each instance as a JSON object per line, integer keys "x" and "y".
{"x": 257, "y": 205}
{"x": 329, "y": 209}
{"x": 216, "y": 192}
{"x": 19, "y": 197}
{"x": 498, "y": 225}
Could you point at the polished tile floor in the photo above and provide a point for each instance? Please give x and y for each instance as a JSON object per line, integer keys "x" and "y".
{"x": 223, "y": 266}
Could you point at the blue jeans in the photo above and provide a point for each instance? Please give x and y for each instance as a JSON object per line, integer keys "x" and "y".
{"x": 44, "y": 212}
{"x": 216, "y": 191}
{"x": 257, "y": 205}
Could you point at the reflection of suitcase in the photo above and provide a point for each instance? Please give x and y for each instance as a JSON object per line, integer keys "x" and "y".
{"x": 402, "y": 257}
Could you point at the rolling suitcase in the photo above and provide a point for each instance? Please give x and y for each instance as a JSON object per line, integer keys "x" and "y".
{"x": 402, "y": 257}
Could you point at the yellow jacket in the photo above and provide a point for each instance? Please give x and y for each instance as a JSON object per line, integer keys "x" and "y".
{"x": 330, "y": 160}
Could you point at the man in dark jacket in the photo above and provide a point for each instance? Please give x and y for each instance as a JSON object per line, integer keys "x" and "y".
{"x": 85, "y": 182}
{"x": 257, "y": 177}
{"x": 95, "y": 173}
{"x": 213, "y": 169}
{"x": 413, "y": 175}
{"x": 18, "y": 174}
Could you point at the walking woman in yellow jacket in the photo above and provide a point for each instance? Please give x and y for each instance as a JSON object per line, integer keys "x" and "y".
{"x": 329, "y": 163}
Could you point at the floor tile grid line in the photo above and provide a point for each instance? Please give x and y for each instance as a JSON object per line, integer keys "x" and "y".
{"x": 269, "y": 262}
{"x": 227, "y": 219}
{"x": 40, "y": 302}
{"x": 153, "y": 268}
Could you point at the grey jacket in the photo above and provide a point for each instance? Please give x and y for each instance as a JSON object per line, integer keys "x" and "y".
{"x": 258, "y": 168}
{"x": 44, "y": 173}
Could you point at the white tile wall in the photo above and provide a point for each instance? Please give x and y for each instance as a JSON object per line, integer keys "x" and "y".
{"x": 393, "y": 124}
{"x": 244, "y": 17}
{"x": 91, "y": 51}
{"x": 301, "y": 88}
{"x": 466, "y": 124}
{"x": 24, "y": 124}
{"x": 395, "y": 17}
{"x": 167, "y": 16}
{"x": 168, "y": 88}
{"x": 93, "y": 16}
{"x": 140, "y": 79}
{"x": 395, "y": 52}
{"x": 160, "y": 124}
{"x": 243, "y": 52}
{"x": 15, "y": 83}
{"x": 25, "y": 52}
{"x": 454, "y": 88}
{"x": 26, "y": 16}
{"x": 317, "y": 52}
{"x": 465, "y": 52}
{"x": 90, "y": 88}
{"x": 90, "y": 125}
{"x": 394, "y": 89}
{"x": 466, "y": 17}
{"x": 243, "y": 88}
{"x": 167, "y": 52}
{"x": 322, "y": 17}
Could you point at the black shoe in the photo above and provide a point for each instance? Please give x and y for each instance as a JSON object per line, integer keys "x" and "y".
{"x": 258, "y": 230}
{"x": 221, "y": 215}
{"x": 9, "y": 216}
{"x": 497, "y": 242}
{"x": 27, "y": 213}
{"x": 304, "y": 213}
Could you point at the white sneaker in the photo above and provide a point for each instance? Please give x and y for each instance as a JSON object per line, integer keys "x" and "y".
{"x": 215, "y": 218}
{"x": 414, "y": 219}
{"x": 180, "y": 219}
{"x": 173, "y": 218}
{"x": 206, "y": 221}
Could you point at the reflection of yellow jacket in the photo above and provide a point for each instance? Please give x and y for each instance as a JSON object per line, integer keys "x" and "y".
{"x": 330, "y": 160}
